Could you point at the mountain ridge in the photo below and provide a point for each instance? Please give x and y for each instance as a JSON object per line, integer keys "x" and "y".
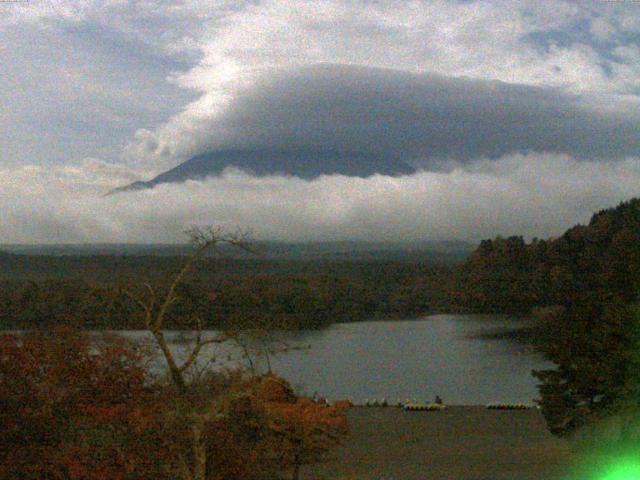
{"x": 304, "y": 163}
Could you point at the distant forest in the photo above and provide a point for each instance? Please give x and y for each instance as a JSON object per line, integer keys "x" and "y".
{"x": 504, "y": 275}
{"x": 89, "y": 292}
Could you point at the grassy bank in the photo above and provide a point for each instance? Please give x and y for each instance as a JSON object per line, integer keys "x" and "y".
{"x": 459, "y": 443}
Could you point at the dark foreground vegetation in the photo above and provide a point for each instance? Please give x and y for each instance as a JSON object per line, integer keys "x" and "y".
{"x": 73, "y": 408}
{"x": 76, "y": 407}
{"x": 584, "y": 287}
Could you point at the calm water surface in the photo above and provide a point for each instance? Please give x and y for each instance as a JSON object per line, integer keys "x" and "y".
{"x": 413, "y": 359}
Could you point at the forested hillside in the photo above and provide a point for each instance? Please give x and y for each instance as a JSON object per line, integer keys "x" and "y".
{"x": 600, "y": 260}
{"x": 585, "y": 287}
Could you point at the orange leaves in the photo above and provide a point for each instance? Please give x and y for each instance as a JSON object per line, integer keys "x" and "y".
{"x": 274, "y": 389}
{"x": 308, "y": 427}
{"x": 68, "y": 405}
{"x": 264, "y": 429}
{"x": 342, "y": 405}
{"x": 84, "y": 461}
{"x": 100, "y": 414}
{"x": 290, "y": 412}
{"x": 74, "y": 408}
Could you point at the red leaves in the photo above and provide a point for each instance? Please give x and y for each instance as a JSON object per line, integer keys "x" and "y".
{"x": 309, "y": 425}
{"x": 264, "y": 429}
{"x": 100, "y": 414}
{"x": 77, "y": 409}
{"x": 274, "y": 389}
{"x": 307, "y": 430}
{"x": 58, "y": 391}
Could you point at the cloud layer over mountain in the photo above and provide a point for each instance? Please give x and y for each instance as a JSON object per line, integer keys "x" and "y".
{"x": 523, "y": 115}
{"x": 420, "y": 118}
{"x": 534, "y": 195}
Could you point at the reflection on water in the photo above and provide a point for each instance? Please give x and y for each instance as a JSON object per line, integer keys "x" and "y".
{"x": 414, "y": 359}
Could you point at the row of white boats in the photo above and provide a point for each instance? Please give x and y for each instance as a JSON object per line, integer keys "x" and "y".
{"x": 437, "y": 405}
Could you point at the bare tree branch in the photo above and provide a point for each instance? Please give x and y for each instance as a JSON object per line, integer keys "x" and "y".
{"x": 193, "y": 356}
{"x": 204, "y": 239}
{"x": 145, "y": 308}
{"x": 152, "y": 295}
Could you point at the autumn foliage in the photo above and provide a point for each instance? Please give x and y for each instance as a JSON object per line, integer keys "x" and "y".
{"x": 77, "y": 408}
{"x": 584, "y": 287}
{"x": 68, "y": 405}
{"x": 264, "y": 430}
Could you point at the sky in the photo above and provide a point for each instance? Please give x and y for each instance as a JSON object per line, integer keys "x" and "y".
{"x": 521, "y": 117}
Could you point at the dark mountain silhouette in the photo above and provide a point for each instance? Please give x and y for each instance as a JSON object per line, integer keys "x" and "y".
{"x": 303, "y": 163}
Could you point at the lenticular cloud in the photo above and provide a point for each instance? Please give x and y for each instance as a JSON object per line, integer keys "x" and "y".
{"x": 424, "y": 119}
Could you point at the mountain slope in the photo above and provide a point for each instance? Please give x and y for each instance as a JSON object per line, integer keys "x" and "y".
{"x": 303, "y": 163}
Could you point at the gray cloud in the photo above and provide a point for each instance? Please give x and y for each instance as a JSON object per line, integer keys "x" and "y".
{"x": 527, "y": 42}
{"x": 426, "y": 118}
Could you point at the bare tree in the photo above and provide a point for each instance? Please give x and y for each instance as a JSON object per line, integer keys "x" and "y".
{"x": 155, "y": 310}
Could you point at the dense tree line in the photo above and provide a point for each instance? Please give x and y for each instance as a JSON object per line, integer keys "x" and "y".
{"x": 504, "y": 275}
{"x": 585, "y": 287}
{"x": 224, "y": 292}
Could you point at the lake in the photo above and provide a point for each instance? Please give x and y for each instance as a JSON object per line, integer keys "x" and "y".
{"x": 413, "y": 359}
